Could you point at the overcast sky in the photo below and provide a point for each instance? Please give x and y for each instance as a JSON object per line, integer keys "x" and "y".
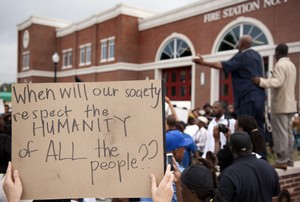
{"x": 13, "y": 12}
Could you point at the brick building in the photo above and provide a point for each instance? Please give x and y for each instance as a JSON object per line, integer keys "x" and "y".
{"x": 126, "y": 43}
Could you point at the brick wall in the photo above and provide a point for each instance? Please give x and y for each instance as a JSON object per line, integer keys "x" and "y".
{"x": 42, "y": 43}
{"x": 290, "y": 181}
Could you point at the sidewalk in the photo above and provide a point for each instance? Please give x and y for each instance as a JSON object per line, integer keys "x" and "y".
{"x": 103, "y": 200}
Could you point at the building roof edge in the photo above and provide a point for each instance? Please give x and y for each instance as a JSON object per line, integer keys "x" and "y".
{"x": 106, "y": 15}
{"x": 190, "y": 10}
{"x": 58, "y": 23}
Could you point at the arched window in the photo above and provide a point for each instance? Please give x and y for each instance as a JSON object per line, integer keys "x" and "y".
{"x": 175, "y": 48}
{"x": 232, "y": 36}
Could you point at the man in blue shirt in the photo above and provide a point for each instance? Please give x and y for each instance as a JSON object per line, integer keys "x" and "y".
{"x": 248, "y": 98}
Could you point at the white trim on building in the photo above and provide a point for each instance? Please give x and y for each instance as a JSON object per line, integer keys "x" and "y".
{"x": 104, "y": 16}
{"x": 43, "y": 21}
{"x": 197, "y": 8}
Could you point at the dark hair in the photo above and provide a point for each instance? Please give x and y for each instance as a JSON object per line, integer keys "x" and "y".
{"x": 210, "y": 162}
{"x": 191, "y": 120}
{"x": 249, "y": 125}
{"x": 171, "y": 120}
{"x": 282, "y": 49}
{"x": 198, "y": 178}
{"x": 225, "y": 157}
{"x": 202, "y": 179}
{"x": 223, "y": 104}
{"x": 284, "y": 195}
{"x": 5, "y": 152}
{"x": 180, "y": 125}
{"x": 206, "y": 105}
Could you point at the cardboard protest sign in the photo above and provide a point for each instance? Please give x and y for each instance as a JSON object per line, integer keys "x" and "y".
{"x": 86, "y": 140}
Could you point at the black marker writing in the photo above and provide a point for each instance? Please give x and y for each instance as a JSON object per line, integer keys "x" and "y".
{"x": 107, "y": 151}
{"x": 28, "y": 95}
{"x": 58, "y": 156}
{"x": 27, "y": 151}
{"x": 73, "y": 125}
{"x": 76, "y": 91}
{"x": 128, "y": 164}
{"x": 153, "y": 92}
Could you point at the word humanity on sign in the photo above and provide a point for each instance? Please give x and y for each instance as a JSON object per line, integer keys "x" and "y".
{"x": 82, "y": 140}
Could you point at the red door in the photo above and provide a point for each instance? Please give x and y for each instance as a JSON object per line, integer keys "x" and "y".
{"x": 226, "y": 93}
{"x": 178, "y": 83}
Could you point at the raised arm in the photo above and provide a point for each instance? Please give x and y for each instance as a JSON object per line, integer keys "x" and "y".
{"x": 168, "y": 101}
{"x": 200, "y": 61}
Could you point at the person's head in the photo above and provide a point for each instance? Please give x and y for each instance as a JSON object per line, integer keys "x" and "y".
{"x": 176, "y": 143}
{"x": 245, "y": 42}
{"x": 207, "y": 108}
{"x": 197, "y": 184}
{"x": 6, "y": 108}
{"x": 231, "y": 111}
{"x": 245, "y": 123}
{"x": 170, "y": 122}
{"x": 191, "y": 120}
{"x": 230, "y": 108}
{"x": 5, "y": 152}
{"x": 281, "y": 50}
{"x": 195, "y": 112}
{"x": 218, "y": 109}
{"x": 202, "y": 121}
{"x": 249, "y": 124}
{"x": 180, "y": 125}
{"x": 240, "y": 143}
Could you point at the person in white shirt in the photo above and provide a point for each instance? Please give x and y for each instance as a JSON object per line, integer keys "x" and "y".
{"x": 200, "y": 136}
{"x": 218, "y": 111}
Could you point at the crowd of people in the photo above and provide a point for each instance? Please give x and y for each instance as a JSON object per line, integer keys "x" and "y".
{"x": 219, "y": 153}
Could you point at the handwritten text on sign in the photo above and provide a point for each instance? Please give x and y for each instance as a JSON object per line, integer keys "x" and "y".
{"x": 87, "y": 139}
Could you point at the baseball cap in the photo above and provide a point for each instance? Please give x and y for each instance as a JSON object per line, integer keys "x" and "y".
{"x": 175, "y": 140}
{"x": 240, "y": 142}
{"x": 203, "y": 119}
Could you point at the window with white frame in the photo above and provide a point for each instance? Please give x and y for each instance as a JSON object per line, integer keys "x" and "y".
{"x": 232, "y": 36}
{"x": 85, "y": 52}
{"x": 175, "y": 48}
{"x": 82, "y": 55}
{"x": 103, "y": 50}
{"x": 67, "y": 58}
{"x": 111, "y": 48}
{"x": 25, "y": 60}
{"x": 88, "y": 54}
{"x": 107, "y": 49}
